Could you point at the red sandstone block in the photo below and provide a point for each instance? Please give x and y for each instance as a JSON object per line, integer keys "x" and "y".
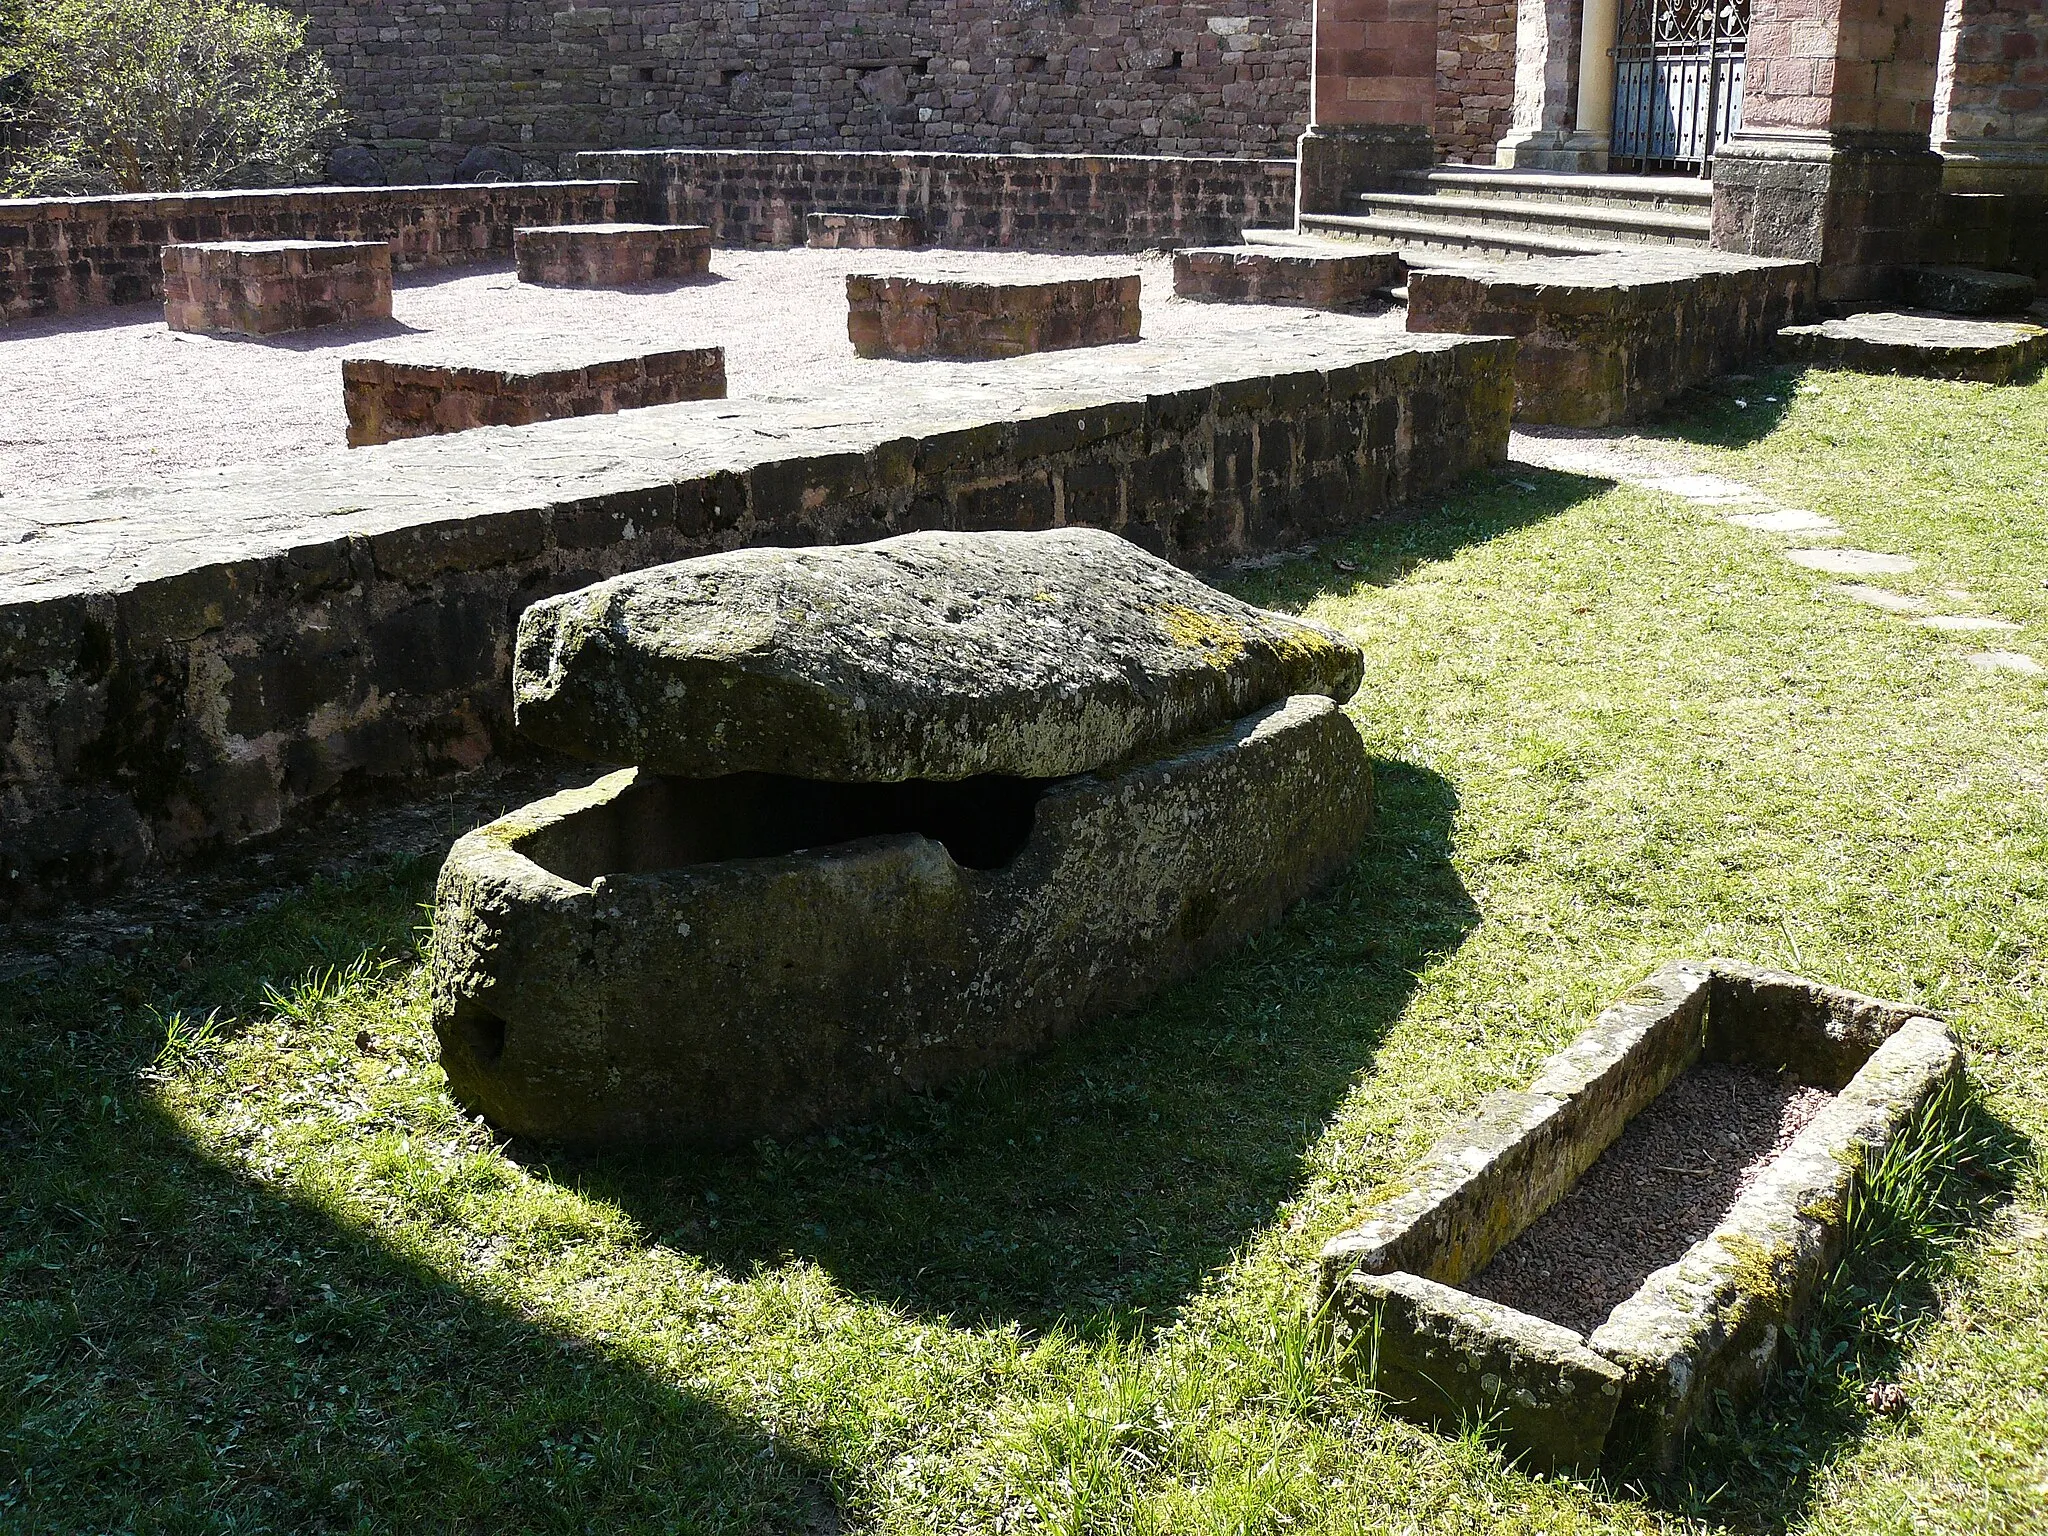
{"x": 611, "y": 255}
{"x": 387, "y": 399}
{"x": 905, "y": 317}
{"x": 1268, "y": 275}
{"x": 862, "y": 231}
{"x": 263, "y": 288}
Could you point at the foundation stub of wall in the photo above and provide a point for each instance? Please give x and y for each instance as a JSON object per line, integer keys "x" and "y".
{"x": 611, "y": 255}
{"x": 913, "y": 317}
{"x": 268, "y": 287}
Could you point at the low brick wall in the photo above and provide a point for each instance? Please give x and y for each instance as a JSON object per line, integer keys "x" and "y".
{"x": 914, "y": 317}
{"x": 1609, "y": 338}
{"x": 58, "y": 255}
{"x": 1023, "y": 202}
{"x": 267, "y": 287}
{"x": 157, "y": 709}
{"x": 387, "y": 400}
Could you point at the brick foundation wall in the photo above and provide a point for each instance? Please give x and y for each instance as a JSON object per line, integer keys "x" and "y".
{"x": 58, "y": 255}
{"x": 149, "y": 715}
{"x": 1475, "y": 64}
{"x": 1039, "y": 202}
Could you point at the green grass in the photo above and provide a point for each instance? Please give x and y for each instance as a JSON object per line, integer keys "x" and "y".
{"x": 261, "y": 1274}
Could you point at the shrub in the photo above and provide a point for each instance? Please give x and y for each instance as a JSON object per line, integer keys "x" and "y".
{"x": 158, "y": 96}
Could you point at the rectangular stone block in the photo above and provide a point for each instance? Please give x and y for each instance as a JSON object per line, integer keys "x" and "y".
{"x": 390, "y": 399}
{"x": 862, "y": 232}
{"x": 266, "y": 287}
{"x": 1254, "y": 274}
{"x": 1934, "y": 346}
{"x": 1612, "y": 337}
{"x": 915, "y": 317}
{"x": 611, "y": 255}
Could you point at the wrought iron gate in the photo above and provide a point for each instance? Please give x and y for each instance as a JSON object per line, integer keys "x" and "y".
{"x": 1677, "y": 80}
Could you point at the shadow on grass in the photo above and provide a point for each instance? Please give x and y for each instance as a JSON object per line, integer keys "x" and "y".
{"x": 1760, "y": 1468}
{"x": 1735, "y": 410}
{"x": 1098, "y": 1184}
{"x": 184, "y": 1349}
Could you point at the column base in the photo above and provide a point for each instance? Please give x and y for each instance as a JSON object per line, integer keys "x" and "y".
{"x": 1582, "y": 154}
{"x": 1335, "y": 163}
{"x": 1975, "y": 172}
{"x": 1861, "y": 205}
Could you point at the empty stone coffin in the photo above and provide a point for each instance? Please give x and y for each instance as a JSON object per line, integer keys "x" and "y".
{"x": 900, "y": 811}
{"x": 1413, "y": 1293}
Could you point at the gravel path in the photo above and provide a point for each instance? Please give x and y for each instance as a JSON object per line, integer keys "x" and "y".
{"x": 1674, "y": 1173}
{"x": 116, "y": 398}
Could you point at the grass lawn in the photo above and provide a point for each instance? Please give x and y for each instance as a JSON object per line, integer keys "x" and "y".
{"x": 260, "y": 1274}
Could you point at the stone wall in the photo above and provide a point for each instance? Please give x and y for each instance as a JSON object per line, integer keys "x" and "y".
{"x": 1475, "y": 62}
{"x": 58, "y": 255}
{"x": 1037, "y": 202}
{"x": 156, "y": 711}
{"x": 425, "y": 81}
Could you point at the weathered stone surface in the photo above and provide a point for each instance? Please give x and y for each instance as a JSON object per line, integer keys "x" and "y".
{"x": 266, "y": 287}
{"x": 1455, "y": 1360}
{"x": 1968, "y": 290}
{"x": 712, "y": 960}
{"x": 1714, "y": 1322}
{"x": 915, "y": 317}
{"x": 930, "y": 656}
{"x": 1264, "y": 274}
{"x": 391, "y": 586}
{"x": 862, "y": 232}
{"x": 386, "y": 399}
{"x": 1938, "y": 346}
{"x": 1609, "y": 338}
{"x": 611, "y": 255}
{"x": 1510, "y": 1160}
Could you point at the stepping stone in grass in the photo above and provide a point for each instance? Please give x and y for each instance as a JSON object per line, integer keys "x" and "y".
{"x": 1786, "y": 520}
{"x": 1850, "y": 562}
{"x": 1963, "y": 623}
{"x": 2005, "y": 661}
{"x": 1706, "y": 488}
{"x": 1878, "y": 597}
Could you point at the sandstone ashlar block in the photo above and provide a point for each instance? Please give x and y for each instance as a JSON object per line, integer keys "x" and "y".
{"x": 1968, "y": 290}
{"x": 1714, "y": 1322}
{"x": 267, "y": 287}
{"x": 1255, "y": 274}
{"x": 611, "y": 255}
{"x": 976, "y": 319}
{"x": 1933, "y": 346}
{"x": 903, "y": 811}
{"x": 387, "y": 398}
{"x": 1609, "y": 338}
{"x": 862, "y": 231}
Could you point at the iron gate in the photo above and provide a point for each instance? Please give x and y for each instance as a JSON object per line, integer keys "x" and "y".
{"x": 1677, "y": 80}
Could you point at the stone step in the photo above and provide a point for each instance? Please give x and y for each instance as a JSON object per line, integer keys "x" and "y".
{"x": 1639, "y": 226}
{"x": 1677, "y": 194}
{"x": 1423, "y": 242}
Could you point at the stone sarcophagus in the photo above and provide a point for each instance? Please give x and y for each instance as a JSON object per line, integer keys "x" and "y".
{"x": 900, "y": 811}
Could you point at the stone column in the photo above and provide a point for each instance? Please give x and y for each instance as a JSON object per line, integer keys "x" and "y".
{"x": 1372, "y": 101}
{"x": 1832, "y": 163}
{"x": 1991, "y": 120}
{"x": 1598, "y": 34}
{"x": 1546, "y": 59}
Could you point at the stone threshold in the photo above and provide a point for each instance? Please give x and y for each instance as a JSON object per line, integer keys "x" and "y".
{"x": 1392, "y": 1287}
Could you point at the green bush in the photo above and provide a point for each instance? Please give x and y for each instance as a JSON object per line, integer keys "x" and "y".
{"x": 158, "y": 96}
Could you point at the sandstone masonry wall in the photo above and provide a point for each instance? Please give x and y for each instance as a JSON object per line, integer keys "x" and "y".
{"x": 154, "y": 713}
{"x": 1039, "y": 202}
{"x": 58, "y": 255}
{"x": 426, "y": 81}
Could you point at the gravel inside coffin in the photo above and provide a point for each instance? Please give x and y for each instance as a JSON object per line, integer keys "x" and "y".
{"x": 1666, "y": 1183}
